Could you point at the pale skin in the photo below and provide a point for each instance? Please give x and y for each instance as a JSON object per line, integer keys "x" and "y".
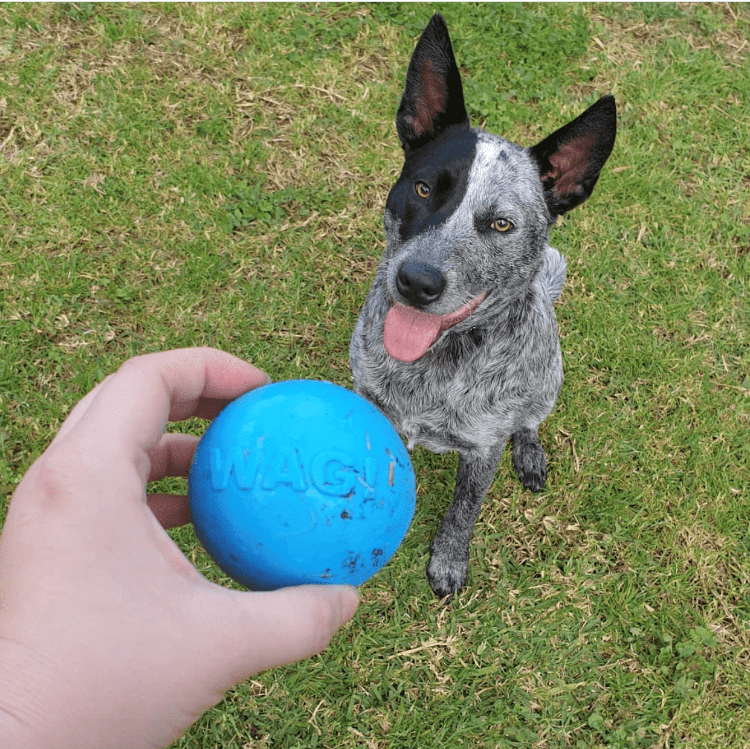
{"x": 109, "y": 637}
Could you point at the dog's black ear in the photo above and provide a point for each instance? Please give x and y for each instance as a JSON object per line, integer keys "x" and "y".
{"x": 433, "y": 99}
{"x": 571, "y": 158}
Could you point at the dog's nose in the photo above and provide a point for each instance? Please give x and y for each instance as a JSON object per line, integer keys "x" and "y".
{"x": 419, "y": 283}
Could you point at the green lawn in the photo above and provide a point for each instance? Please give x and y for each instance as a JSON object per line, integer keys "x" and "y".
{"x": 175, "y": 175}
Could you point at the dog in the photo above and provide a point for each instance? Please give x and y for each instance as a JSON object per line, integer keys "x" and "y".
{"x": 457, "y": 341}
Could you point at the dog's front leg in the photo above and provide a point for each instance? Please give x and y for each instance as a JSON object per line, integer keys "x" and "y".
{"x": 449, "y": 558}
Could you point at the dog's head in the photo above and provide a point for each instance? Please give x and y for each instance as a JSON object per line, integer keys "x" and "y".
{"x": 468, "y": 219}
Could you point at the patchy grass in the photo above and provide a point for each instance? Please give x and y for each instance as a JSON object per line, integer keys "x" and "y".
{"x": 178, "y": 175}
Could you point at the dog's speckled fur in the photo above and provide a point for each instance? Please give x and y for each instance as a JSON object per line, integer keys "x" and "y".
{"x": 495, "y": 375}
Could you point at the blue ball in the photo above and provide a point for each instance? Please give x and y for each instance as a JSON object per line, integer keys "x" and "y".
{"x": 301, "y": 482}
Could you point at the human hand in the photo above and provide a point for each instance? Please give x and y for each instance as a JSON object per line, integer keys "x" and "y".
{"x": 109, "y": 637}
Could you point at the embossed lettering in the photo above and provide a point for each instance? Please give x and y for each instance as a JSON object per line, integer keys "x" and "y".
{"x": 284, "y": 466}
{"x": 371, "y": 477}
{"x": 332, "y": 472}
{"x": 242, "y": 463}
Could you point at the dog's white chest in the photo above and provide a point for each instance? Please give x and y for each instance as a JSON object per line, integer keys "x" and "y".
{"x": 441, "y": 426}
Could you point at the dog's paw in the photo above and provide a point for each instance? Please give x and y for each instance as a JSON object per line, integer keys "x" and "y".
{"x": 529, "y": 460}
{"x": 446, "y": 576}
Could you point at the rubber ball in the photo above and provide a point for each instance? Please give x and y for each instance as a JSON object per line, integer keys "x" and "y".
{"x": 301, "y": 482}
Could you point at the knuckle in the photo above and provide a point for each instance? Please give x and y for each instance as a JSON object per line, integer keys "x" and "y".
{"x": 49, "y": 478}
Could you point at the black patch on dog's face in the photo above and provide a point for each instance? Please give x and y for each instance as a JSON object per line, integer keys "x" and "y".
{"x": 443, "y": 166}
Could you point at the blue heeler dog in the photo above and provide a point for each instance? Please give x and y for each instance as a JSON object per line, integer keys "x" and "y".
{"x": 457, "y": 341}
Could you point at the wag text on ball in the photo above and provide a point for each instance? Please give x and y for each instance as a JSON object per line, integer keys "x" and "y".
{"x": 332, "y": 472}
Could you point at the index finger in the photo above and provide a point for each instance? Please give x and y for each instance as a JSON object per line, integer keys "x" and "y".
{"x": 131, "y": 408}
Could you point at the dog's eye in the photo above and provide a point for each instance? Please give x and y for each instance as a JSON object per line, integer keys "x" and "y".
{"x": 502, "y": 224}
{"x": 422, "y": 189}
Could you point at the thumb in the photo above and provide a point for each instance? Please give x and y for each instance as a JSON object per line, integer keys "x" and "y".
{"x": 283, "y": 626}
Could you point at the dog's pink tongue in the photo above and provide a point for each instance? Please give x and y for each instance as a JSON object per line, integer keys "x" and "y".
{"x": 408, "y": 333}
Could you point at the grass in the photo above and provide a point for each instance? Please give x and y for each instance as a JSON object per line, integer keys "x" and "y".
{"x": 179, "y": 175}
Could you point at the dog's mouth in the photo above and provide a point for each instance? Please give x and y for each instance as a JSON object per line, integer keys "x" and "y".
{"x": 409, "y": 333}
